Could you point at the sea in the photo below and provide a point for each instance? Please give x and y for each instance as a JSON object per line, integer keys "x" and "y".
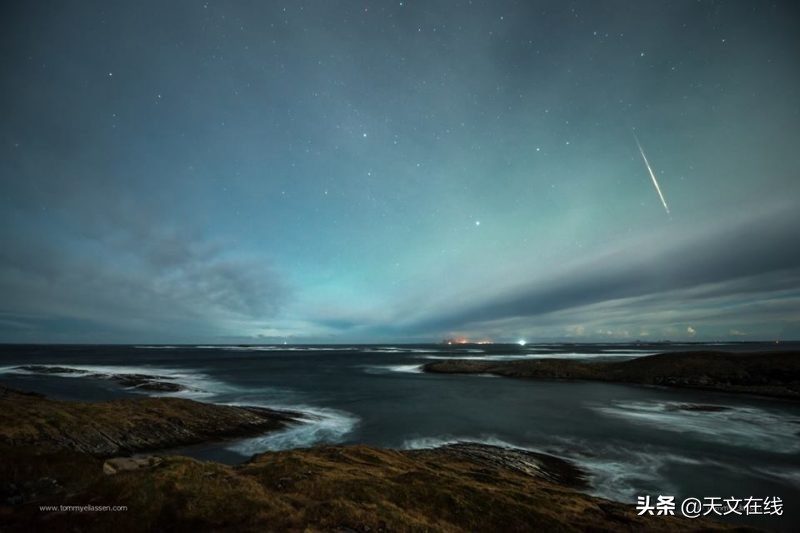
{"x": 633, "y": 441}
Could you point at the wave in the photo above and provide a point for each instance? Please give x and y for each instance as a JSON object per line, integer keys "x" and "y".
{"x": 279, "y": 348}
{"x": 614, "y": 472}
{"x": 621, "y": 473}
{"x": 791, "y": 476}
{"x": 195, "y": 384}
{"x": 748, "y": 427}
{"x": 159, "y": 347}
{"x": 254, "y": 348}
{"x": 425, "y": 443}
{"x": 318, "y": 426}
{"x": 524, "y": 356}
{"x": 385, "y": 369}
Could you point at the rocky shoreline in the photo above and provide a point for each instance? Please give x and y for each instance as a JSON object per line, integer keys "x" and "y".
{"x": 57, "y": 453}
{"x": 143, "y": 382}
{"x": 124, "y": 426}
{"x": 774, "y": 374}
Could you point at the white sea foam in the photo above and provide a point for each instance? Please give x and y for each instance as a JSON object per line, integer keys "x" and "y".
{"x": 790, "y": 475}
{"x": 615, "y": 472}
{"x": 317, "y": 426}
{"x": 399, "y": 349}
{"x": 622, "y": 478}
{"x": 424, "y": 443}
{"x": 275, "y": 348}
{"x": 196, "y": 384}
{"x": 159, "y": 347}
{"x": 748, "y": 427}
{"x": 385, "y": 369}
{"x": 623, "y": 474}
{"x": 632, "y": 351}
{"x": 618, "y": 472}
{"x": 525, "y": 356}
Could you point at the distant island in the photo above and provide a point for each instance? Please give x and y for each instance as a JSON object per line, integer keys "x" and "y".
{"x": 775, "y": 374}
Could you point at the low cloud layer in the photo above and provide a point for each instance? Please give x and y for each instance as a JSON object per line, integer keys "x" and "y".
{"x": 129, "y": 275}
{"x": 746, "y": 259}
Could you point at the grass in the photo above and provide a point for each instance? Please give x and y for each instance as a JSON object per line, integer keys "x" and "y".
{"x": 44, "y": 461}
{"x": 775, "y": 374}
{"x": 126, "y": 425}
{"x": 353, "y": 488}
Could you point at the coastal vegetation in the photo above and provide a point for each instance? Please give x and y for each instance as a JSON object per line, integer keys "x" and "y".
{"x": 775, "y": 374}
{"x": 66, "y": 454}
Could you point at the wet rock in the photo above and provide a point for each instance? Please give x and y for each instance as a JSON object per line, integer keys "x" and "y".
{"x": 536, "y": 464}
{"x": 43, "y": 369}
{"x": 135, "y": 381}
{"x": 145, "y": 382}
{"x": 125, "y": 426}
{"x": 698, "y": 407}
{"x": 124, "y": 464}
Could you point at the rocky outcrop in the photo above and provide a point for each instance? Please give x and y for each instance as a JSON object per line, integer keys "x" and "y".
{"x": 144, "y": 382}
{"x": 126, "y": 464}
{"x": 539, "y": 465}
{"x": 118, "y": 427}
{"x": 46, "y": 459}
{"x": 775, "y": 374}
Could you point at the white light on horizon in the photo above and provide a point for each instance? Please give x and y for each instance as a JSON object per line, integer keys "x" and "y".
{"x": 522, "y": 342}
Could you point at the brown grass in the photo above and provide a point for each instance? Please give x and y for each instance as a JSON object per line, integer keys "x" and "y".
{"x": 766, "y": 374}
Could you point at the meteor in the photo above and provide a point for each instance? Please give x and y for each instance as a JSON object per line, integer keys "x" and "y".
{"x": 652, "y": 174}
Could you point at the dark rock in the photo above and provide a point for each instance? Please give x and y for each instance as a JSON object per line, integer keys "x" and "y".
{"x": 698, "y": 407}
{"x": 135, "y": 381}
{"x": 775, "y": 374}
{"x": 144, "y": 382}
{"x": 119, "y": 427}
{"x": 536, "y": 464}
{"x": 42, "y": 369}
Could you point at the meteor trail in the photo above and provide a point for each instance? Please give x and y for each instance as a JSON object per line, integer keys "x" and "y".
{"x": 652, "y": 174}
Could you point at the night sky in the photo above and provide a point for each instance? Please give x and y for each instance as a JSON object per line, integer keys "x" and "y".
{"x": 340, "y": 171}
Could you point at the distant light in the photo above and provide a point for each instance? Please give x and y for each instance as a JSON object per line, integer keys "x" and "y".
{"x": 522, "y": 342}
{"x": 477, "y": 222}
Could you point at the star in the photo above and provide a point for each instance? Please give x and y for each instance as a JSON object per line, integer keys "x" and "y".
{"x": 477, "y": 222}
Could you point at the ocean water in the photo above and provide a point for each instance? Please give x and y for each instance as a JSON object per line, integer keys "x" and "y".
{"x": 633, "y": 440}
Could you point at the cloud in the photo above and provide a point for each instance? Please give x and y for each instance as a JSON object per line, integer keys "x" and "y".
{"x": 751, "y": 256}
{"x": 128, "y": 274}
